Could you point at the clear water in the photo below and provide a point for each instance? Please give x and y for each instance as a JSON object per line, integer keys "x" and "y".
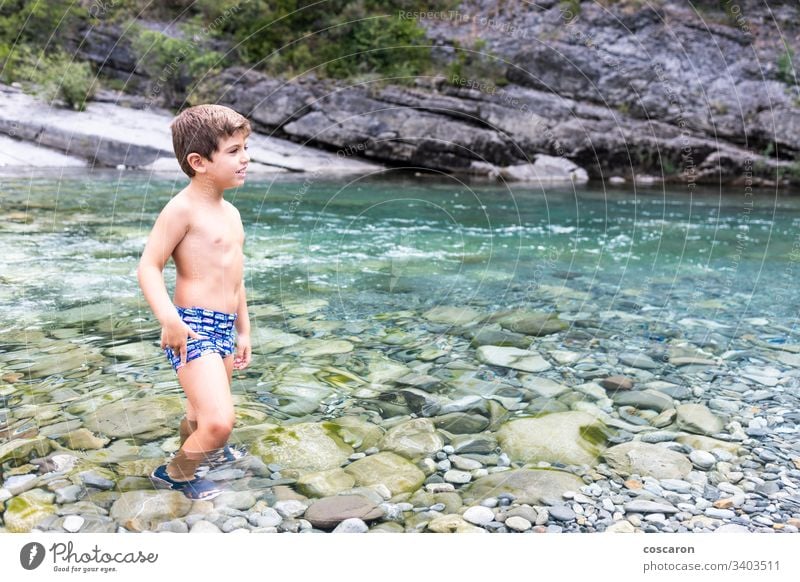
{"x": 368, "y": 245}
{"x": 73, "y": 316}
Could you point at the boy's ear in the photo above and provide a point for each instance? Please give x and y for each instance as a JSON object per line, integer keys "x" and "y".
{"x": 197, "y": 162}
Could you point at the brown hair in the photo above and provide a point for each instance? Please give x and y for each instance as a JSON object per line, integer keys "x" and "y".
{"x": 200, "y": 128}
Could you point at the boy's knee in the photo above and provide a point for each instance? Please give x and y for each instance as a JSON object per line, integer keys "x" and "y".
{"x": 221, "y": 428}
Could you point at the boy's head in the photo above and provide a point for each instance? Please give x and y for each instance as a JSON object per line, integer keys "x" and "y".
{"x": 200, "y": 129}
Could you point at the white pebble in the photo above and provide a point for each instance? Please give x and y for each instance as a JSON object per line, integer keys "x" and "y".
{"x": 478, "y": 515}
{"x": 73, "y": 523}
{"x": 351, "y": 525}
{"x": 518, "y": 523}
{"x": 702, "y": 459}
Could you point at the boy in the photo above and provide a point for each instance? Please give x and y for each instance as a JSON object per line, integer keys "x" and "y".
{"x": 203, "y": 234}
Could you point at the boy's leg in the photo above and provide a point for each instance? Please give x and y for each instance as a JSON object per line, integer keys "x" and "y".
{"x": 187, "y": 428}
{"x": 205, "y": 382}
{"x": 189, "y": 422}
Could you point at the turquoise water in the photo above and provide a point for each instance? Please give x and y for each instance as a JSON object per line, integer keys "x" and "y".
{"x": 369, "y": 245}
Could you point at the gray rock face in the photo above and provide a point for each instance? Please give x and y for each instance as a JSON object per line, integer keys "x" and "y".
{"x": 604, "y": 92}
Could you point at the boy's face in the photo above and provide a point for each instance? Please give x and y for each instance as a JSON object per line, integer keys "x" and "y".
{"x": 227, "y": 169}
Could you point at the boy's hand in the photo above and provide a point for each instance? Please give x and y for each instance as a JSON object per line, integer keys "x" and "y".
{"x": 243, "y": 352}
{"x": 175, "y": 334}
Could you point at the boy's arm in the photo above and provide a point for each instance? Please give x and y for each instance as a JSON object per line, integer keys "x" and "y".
{"x": 242, "y": 319}
{"x": 243, "y": 347}
{"x": 169, "y": 229}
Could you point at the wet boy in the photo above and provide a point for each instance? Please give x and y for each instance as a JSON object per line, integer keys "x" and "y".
{"x": 203, "y": 234}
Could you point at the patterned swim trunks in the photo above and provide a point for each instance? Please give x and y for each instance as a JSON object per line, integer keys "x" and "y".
{"x": 216, "y": 327}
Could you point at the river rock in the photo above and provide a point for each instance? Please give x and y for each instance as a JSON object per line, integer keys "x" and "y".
{"x": 641, "y": 361}
{"x": 26, "y": 510}
{"x": 355, "y": 431}
{"x": 325, "y": 483}
{"x": 647, "y": 459}
{"x": 543, "y": 386}
{"x": 146, "y": 419}
{"x": 144, "y": 510}
{"x": 390, "y": 469}
{"x": 452, "y": 524}
{"x": 478, "y": 515}
{"x": 532, "y": 323}
{"x": 503, "y": 338}
{"x": 329, "y": 512}
{"x": 451, "y": 315}
{"x": 650, "y": 399}
{"x": 481, "y": 443}
{"x": 73, "y": 523}
{"x": 461, "y": 423}
{"x": 531, "y": 486}
{"x": 304, "y": 446}
{"x": 19, "y": 449}
{"x": 615, "y": 383}
{"x": 698, "y": 419}
{"x": 412, "y": 439}
{"x": 351, "y": 525}
{"x": 705, "y": 443}
{"x": 647, "y": 506}
{"x": 525, "y": 360}
{"x": 82, "y": 439}
{"x": 518, "y": 523}
{"x": 313, "y": 347}
{"x": 573, "y": 438}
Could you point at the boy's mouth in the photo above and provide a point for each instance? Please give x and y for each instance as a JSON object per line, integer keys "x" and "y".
{"x": 242, "y": 172}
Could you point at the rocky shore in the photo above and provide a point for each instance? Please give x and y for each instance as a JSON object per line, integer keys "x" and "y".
{"x": 659, "y": 92}
{"x": 450, "y": 419}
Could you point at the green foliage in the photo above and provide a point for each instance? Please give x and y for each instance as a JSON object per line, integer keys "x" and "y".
{"x": 174, "y": 65}
{"x": 30, "y": 27}
{"x": 59, "y": 76}
{"x": 338, "y": 38}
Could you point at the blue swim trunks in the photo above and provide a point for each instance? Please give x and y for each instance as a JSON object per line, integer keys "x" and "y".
{"x": 216, "y": 327}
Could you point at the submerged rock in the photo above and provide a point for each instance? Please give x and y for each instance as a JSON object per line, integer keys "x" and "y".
{"x": 531, "y": 486}
{"x": 144, "y": 420}
{"x": 451, "y": 315}
{"x": 329, "y": 512}
{"x": 26, "y": 510}
{"x": 144, "y": 510}
{"x": 573, "y": 438}
{"x": 532, "y": 322}
{"x": 647, "y": 460}
{"x": 390, "y": 469}
{"x": 515, "y": 358}
{"x": 412, "y": 439}
{"x": 325, "y": 483}
{"x": 305, "y": 446}
{"x": 698, "y": 419}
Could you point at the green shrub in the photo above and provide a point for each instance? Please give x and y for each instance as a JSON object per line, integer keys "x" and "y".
{"x": 59, "y": 76}
{"x": 174, "y": 65}
{"x": 340, "y": 38}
